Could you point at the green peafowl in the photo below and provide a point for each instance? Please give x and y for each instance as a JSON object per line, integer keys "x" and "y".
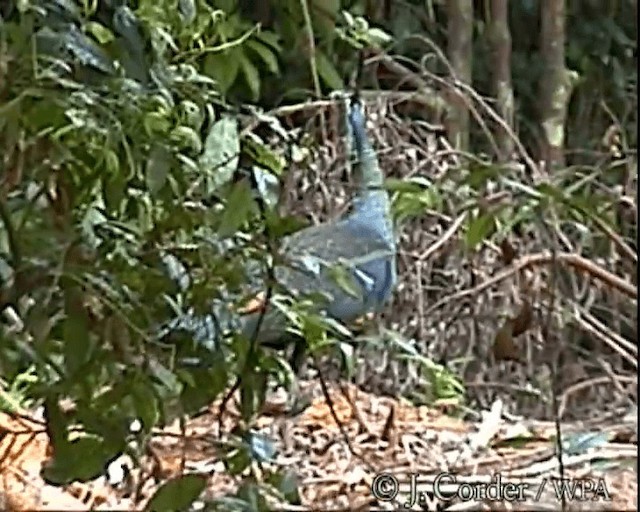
{"x": 363, "y": 242}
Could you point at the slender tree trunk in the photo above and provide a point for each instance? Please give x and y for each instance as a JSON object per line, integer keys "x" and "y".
{"x": 459, "y": 49}
{"x": 500, "y": 40}
{"x": 556, "y": 83}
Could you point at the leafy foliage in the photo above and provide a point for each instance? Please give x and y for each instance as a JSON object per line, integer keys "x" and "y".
{"x": 119, "y": 151}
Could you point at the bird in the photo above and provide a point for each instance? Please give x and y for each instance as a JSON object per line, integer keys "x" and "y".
{"x": 362, "y": 243}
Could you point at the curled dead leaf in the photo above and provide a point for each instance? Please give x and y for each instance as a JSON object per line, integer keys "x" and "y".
{"x": 504, "y": 348}
{"x": 389, "y": 424}
{"x": 523, "y": 320}
{"x": 507, "y": 252}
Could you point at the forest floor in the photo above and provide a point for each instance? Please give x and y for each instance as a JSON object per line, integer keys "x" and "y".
{"x": 389, "y": 440}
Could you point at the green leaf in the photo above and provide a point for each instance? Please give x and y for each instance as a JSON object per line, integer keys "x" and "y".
{"x": 177, "y": 494}
{"x": 114, "y": 188}
{"x": 413, "y": 185}
{"x": 337, "y": 327}
{"x": 253, "y": 388}
{"x": 251, "y": 76}
{"x": 344, "y": 278}
{"x": 220, "y": 157}
{"x": 77, "y": 342}
{"x": 287, "y": 483}
{"x": 525, "y": 189}
{"x": 207, "y": 384}
{"x": 266, "y": 54}
{"x": 186, "y": 137}
{"x": 479, "y": 174}
{"x": 324, "y": 14}
{"x": 328, "y": 72}
{"x": 158, "y": 166}
{"x": 479, "y": 229}
{"x": 235, "y": 504}
{"x": 250, "y": 492}
{"x": 348, "y": 358}
{"x": 237, "y": 461}
{"x": 223, "y": 68}
{"x": 165, "y": 377}
{"x": 329, "y": 8}
{"x": 111, "y": 162}
{"x": 517, "y": 442}
{"x": 348, "y": 18}
{"x": 280, "y": 226}
{"x": 191, "y": 114}
{"x": 378, "y": 36}
{"x": 102, "y": 34}
{"x": 156, "y": 123}
{"x": 145, "y": 403}
{"x": 263, "y": 155}
{"x": 240, "y": 204}
{"x": 82, "y": 460}
{"x": 413, "y": 200}
{"x": 271, "y": 39}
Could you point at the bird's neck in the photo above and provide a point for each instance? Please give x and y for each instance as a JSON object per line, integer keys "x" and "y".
{"x": 368, "y": 175}
{"x": 371, "y": 204}
{"x": 371, "y": 210}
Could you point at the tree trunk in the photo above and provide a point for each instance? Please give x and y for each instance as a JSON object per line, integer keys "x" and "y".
{"x": 556, "y": 83}
{"x": 459, "y": 49}
{"x": 500, "y": 41}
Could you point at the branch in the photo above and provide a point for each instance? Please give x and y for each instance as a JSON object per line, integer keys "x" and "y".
{"x": 531, "y": 260}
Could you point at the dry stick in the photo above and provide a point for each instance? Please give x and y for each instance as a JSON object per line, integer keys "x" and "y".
{"x": 614, "y": 377}
{"x": 444, "y": 238}
{"x": 421, "y": 319}
{"x": 343, "y": 432}
{"x": 354, "y": 408}
{"x": 530, "y": 260}
{"x": 616, "y": 239}
{"x": 628, "y": 345}
{"x": 589, "y": 384}
{"x": 410, "y": 77}
{"x": 474, "y": 95}
{"x": 607, "y": 336}
{"x": 317, "y": 105}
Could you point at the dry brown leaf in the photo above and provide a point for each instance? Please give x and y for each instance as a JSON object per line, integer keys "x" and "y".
{"x": 504, "y": 349}
{"x": 523, "y": 320}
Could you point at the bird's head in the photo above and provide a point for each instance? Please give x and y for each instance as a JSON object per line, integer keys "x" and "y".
{"x": 356, "y": 114}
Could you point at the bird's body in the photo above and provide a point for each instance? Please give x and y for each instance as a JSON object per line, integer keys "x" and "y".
{"x": 363, "y": 242}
